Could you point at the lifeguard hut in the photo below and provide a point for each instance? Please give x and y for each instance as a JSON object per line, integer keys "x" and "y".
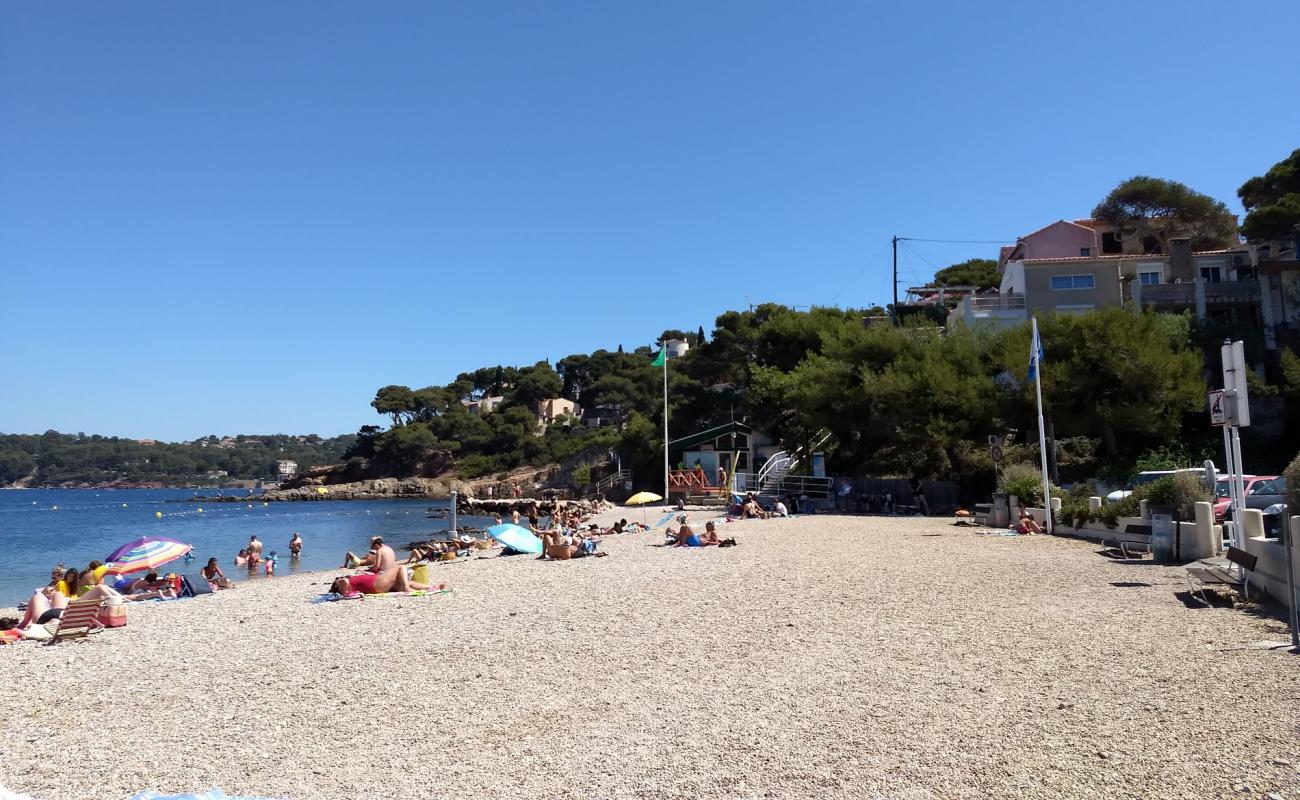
{"x": 697, "y": 458}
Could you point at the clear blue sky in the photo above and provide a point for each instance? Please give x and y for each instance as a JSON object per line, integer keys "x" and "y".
{"x": 247, "y": 216}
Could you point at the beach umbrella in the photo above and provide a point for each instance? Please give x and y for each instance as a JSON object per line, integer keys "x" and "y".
{"x": 145, "y": 553}
{"x": 641, "y": 499}
{"x": 516, "y": 537}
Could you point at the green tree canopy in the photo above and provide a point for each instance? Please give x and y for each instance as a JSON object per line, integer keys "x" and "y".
{"x": 1165, "y": 210}
{"x": 1272, "y": 201}
{"x": 982, "y": 273}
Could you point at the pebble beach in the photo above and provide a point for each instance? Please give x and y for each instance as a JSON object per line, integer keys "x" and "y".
{"x": 825, "y": 656}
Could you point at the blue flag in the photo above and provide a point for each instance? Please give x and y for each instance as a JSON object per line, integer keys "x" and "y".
{"x": 1035, "y": 353}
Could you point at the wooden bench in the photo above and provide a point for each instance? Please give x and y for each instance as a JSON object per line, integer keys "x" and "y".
{"x": 1133, "y": 536}
{"x": 1232, "y": 570}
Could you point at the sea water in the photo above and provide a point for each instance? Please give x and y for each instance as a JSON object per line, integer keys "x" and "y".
{"x": 40, "y": 528}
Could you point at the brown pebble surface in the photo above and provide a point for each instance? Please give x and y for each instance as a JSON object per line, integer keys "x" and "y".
{"x": 824, "y": 657}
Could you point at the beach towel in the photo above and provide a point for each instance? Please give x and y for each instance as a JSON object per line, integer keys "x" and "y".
{"x": 331, "y": 597}
{"x": 665, "y": 520}
{"x": 211, "y": 794}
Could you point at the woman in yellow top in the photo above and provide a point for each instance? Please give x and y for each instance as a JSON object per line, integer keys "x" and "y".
{"x": 93, "y": 576}
{"x": 69, "y": 584}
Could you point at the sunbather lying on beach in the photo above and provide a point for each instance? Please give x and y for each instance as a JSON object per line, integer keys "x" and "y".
{"x": 710, "y": 535}
{"x": 393, "y": 580}
{"x": 46, "y": 604}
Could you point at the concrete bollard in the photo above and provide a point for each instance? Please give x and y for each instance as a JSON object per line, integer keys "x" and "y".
{"x": 1144, "y": 511}
{"x": 1198, "y": 539}
{"x": 1094, "y": 504}
{"x": 1252, "y": 524}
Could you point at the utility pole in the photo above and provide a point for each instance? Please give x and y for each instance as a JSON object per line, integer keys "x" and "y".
{"x": 895, "y": 243}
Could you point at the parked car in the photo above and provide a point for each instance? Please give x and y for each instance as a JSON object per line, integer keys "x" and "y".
{"x": 1223, "y": 493}
{"x": 1268, "y": 494}
{"x": 1148, "y": 477}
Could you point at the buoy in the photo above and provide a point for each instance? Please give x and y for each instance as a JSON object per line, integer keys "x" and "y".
{"x": 124, "y": 505}
{"x": 200, "y": 511}
{"x": 250, "y": 505}
{"x": 55, "y": 508}
{"x": 158, "y": 514}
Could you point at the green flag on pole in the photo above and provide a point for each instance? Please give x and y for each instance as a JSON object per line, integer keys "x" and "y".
{"x": 659, "y": 359}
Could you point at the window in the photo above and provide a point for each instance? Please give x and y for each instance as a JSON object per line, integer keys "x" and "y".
{"x": 1149, "y": 278}
{"x": 1062, "y": 283}
{"x": 1111, "y": 244}
{"x": 1212, "y": 269}
{"x": 1085, "y": 251}
{"x": 1075, "y": 308}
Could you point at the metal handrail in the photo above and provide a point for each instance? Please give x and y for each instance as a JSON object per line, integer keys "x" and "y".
{"x": 615, "y": 478}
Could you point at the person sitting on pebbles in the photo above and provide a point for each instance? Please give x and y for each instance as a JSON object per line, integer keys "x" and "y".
{"x": 371, "y": 559}
{"x": 213, "y": 574}
{"x": 1027, "y": 524}
{"x": 683, "y": 536}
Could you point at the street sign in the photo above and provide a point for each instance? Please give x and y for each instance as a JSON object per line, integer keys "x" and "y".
{"x": 1234, "y": 380}
{"x": 994, "y": 440}
{"x": 1218, "y": 414}
{"x": 996, "y": 452}
{"x": 1010, "y": 438}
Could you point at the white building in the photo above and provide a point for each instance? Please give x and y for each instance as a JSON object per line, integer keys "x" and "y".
{"x": 287, "y": 469}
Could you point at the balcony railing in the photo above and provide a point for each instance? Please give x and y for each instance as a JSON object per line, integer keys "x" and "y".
{"x": 995, "y": 302}
{"x": 1184, "y": 294}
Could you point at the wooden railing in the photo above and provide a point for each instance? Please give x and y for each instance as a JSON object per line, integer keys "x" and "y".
{"x": 692, "y": 480}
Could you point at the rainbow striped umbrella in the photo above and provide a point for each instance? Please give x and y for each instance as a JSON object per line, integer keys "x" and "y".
{"x": 145, "y": 553}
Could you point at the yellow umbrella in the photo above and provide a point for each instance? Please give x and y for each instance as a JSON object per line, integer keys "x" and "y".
{"x": 641, "y": 499}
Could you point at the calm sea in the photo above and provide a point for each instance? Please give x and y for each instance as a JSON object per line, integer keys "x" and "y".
{"x": 40, "y": 528}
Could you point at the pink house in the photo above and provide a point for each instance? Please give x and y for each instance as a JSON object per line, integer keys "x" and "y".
{"x": 1061, "y": 239}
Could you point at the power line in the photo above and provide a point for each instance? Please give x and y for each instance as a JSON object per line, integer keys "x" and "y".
{"x": 954, "y": 241}
{"x": 917, "y": 253}
{"x": 858, "y": 274}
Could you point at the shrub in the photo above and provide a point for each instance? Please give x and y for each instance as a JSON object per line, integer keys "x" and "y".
{"x": 1180, "y": 492}
{"x": 1292, "y": 475}
{"x": 1023, "y": 481}
{"x": 1026, "y": 483}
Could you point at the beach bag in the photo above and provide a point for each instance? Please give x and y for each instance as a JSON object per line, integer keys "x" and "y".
{"x": 112, "y": 614}
{"x": 420, "y": 574}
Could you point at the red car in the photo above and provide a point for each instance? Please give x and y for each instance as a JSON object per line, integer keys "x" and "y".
{"x": 1222, "y": 497}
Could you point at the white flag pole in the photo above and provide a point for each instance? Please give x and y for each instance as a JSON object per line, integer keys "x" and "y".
{"x": 1042, "y": 434}
{"x": 666, "y": 469}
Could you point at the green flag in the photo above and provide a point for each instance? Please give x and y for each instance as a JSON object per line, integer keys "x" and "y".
{"x": 659, "y": 359}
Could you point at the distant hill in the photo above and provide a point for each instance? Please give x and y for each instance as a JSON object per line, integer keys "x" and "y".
{"x": 55, "y": 459}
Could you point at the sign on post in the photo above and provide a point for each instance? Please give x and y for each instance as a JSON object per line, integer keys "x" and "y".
{"x": 996, "y": 452}
{"x": 1218, "y": 414}
{"x": 1234, "y": 382}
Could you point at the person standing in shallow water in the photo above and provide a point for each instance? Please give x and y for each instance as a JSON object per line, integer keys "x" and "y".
{"x": 295, "y": 545}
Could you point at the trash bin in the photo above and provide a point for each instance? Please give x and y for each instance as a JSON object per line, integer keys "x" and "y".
{"x": 1162, "y": 538}
{"x": 1000, "y": 513}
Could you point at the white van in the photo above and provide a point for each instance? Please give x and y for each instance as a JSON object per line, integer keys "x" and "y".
{"x": 1148, "y": 477}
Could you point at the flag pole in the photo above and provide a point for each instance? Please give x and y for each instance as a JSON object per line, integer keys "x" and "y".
{"x": 666, "y": 471}
{"x": 1042, "y": 434}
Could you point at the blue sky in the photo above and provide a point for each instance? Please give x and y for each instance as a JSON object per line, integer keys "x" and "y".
{"x": 246, "y": 217}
